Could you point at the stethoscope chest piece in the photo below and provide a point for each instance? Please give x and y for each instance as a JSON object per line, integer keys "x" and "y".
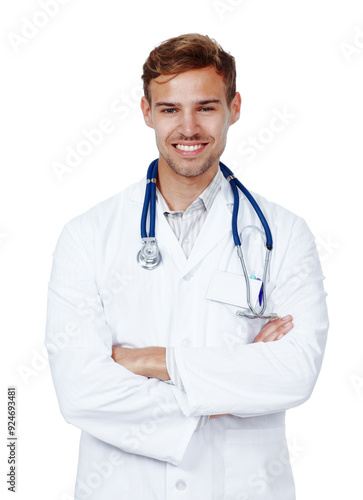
{"x": 149, "y": 256}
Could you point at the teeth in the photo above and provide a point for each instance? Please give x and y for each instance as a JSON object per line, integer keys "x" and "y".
{"x": 183, "y": 147}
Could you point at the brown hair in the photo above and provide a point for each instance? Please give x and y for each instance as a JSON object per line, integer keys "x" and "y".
{"x": 186, "y": 52}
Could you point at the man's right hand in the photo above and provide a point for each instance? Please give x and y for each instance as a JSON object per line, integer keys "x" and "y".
{"x": 273, "y": 330}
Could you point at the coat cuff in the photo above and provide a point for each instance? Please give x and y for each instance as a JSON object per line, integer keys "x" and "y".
{"x": 176, "y": 380}
{"x": 173, "y": 370}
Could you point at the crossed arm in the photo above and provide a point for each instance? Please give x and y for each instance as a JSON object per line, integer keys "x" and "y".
{"x": 151, "y": 361}
{"x": 110, "y": 400}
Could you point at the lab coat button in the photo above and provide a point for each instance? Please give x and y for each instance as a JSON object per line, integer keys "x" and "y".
{"x": 188, "y": 276}
{"x": 180, "y": 485}
{"x": 186, "y": 342}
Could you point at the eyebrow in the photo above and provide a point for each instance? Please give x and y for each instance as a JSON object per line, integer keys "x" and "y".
{"x": 198, "y": 103}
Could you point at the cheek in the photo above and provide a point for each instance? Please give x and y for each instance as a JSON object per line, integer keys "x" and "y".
{"x": 162, "y": 130}
{"x": 219, "y": 127}
{"x": 220, "y": 132}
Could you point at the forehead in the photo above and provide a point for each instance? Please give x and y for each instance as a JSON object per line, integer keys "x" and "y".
{"x": 193, "y": 85}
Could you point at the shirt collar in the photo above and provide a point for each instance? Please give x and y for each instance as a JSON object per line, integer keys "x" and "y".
{"x": 205, "y": 199}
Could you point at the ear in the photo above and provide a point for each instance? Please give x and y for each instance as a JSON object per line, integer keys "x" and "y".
{"x": 235, "y": 108}
{"x": 146, "y": 111}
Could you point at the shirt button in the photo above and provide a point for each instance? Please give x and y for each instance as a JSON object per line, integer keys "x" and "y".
{"x": 186, "y": 342}
{"x": 186, "y": 241}
{"x": 180, "y": 485}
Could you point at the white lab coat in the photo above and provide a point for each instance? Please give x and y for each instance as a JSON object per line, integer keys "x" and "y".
{"x": 138, "y": 439}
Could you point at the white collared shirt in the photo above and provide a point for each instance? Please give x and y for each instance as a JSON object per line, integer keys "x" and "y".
{"x": 187, "y": 224}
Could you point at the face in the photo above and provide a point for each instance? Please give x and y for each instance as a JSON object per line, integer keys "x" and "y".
{"x": 191, "y": 117}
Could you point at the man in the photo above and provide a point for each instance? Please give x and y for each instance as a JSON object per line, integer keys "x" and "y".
{"x": 177, "y": 396}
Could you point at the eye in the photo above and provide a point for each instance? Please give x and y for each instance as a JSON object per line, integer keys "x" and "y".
{"x": 168, "y": 111}
{"x": 205, "y": 108}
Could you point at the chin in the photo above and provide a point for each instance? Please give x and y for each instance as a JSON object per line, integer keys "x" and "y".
{"x": 187, "y": 168}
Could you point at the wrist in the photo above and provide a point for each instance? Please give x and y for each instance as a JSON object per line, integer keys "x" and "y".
{"x": 153, "y": 363}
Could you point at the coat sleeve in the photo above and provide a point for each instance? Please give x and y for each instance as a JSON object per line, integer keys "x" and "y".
{"x": 134, "y": 413}
{"x": 261, "y": 378}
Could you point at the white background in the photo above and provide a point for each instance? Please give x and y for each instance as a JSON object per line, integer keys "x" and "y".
{"x": 302, "y": 57}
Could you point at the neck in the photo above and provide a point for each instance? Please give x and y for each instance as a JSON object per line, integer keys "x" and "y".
{"x": 179, "y": 191}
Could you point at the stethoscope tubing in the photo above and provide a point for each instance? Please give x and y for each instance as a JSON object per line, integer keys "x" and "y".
{"x": 234, "y": 181}
{"x": 150, "y": 202}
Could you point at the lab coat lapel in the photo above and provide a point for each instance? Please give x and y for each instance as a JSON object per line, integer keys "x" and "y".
{"x": 216, "y": 226}
{"x": 167, "y": 240}
{"x": 165, "y": 236}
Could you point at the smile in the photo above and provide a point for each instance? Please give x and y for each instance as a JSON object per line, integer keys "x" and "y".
{"x": 184, "y": 147}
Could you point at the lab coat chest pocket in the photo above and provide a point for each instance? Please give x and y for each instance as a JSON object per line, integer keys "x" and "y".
{"x": 257, "y": 465}
{"x": 229, "y": 328}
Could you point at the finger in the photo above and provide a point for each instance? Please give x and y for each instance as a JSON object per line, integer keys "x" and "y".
{"x": 280, "y": 332}
{"x": 276, "y": 323}
{"x": 270, "y": 332}
{"x": 272, "y": 326}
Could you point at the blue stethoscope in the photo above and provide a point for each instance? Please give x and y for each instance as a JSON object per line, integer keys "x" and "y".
{"x": 149, "y": 256}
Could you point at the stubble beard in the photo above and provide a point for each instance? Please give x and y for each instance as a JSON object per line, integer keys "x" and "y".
{"x": 192, "y": 170}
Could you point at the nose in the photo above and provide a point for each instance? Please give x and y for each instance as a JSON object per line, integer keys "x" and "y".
{"x": 189, "y": 124}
